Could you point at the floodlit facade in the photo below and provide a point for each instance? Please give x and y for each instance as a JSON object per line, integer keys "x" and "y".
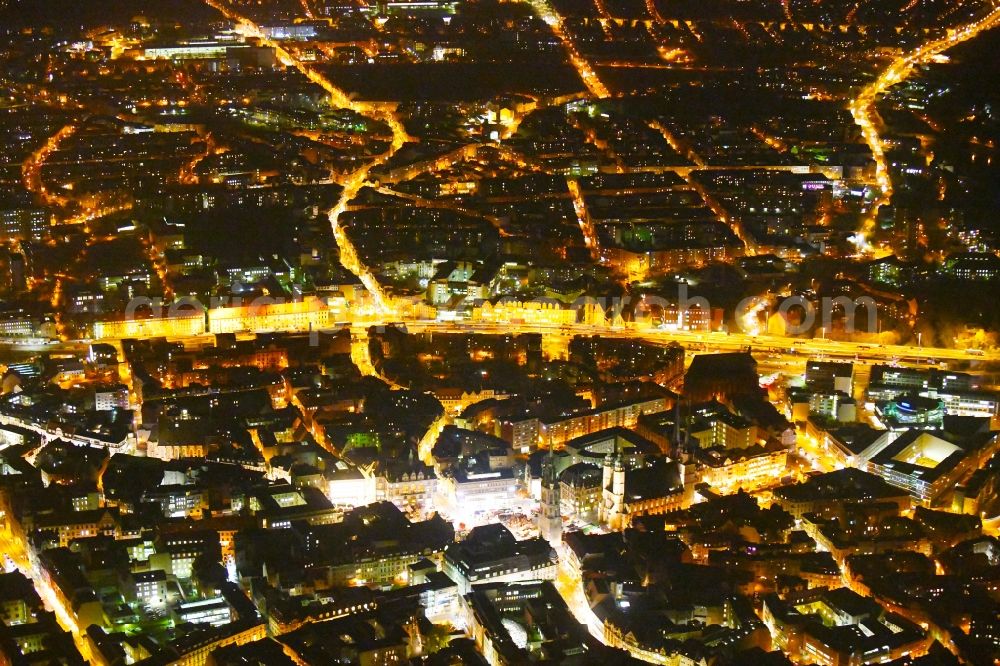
{"x": 306, "y": 315}
{"x": 153, "y": 327}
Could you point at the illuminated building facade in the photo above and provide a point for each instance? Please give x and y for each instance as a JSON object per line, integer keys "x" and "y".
{"x": 544, "y": 313}
{"x": 411, "y": 490}
{"x": 557, "y": 432}
{"x": 911, "y": 411}
{"x": 153, "y": 327}
{"x": 580, "y": 492}
{"x": 748, "y": 468}
{"x": 309, "y": 314}
{"x": 638, "y": 265}
{"x": 657, "y": 488}
{"x": 473, "y": 493}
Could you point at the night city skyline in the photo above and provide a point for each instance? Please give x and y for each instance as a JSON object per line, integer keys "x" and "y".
{"x": 441, "y": 332}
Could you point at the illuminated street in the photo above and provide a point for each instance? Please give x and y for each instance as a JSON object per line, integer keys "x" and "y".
{"x": 14, "y": 549}
{"x": 32, "y": 168}
{"x": 863, "y": 107}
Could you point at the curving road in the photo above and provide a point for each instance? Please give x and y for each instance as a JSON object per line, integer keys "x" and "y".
{"x": 863, "y": 106}
{"x": 354, "y": 181}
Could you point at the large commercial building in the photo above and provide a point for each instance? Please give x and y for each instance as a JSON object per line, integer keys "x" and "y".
{"x": 851, "y": 445}
{"x": 469, "y": 494}
{"x": 929, "y": 464}
{"x": 491, "y": 554}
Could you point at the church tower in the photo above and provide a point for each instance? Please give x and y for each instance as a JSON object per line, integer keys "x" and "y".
{"x": 550, "y": 512}
{"x": 612, "y": 507}
{"x": 684, "y": 453}
{"x": 617, "y": 518}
